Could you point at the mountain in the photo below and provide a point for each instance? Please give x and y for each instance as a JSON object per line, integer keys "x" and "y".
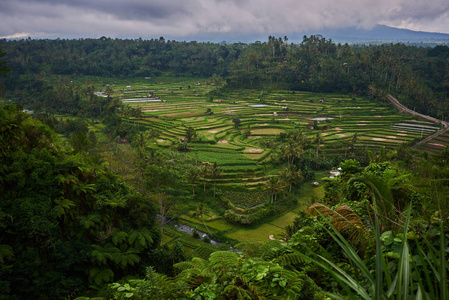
{"x": 379, "y": 34}
{"x": 382, "y": 34}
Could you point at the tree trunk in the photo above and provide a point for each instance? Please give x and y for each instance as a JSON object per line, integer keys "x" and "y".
{"x": 205, "y": 225}
{"x": 161, "y": 223}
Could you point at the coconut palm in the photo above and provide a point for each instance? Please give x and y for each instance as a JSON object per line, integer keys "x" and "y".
{"x": 292, "y": 150}
{"x": 192, "y": 176}
{"x": 153, "y": 133}
{"x": 204, "y": 173}
{"x": 274, "y": 184}
{"x": 215, "y": 173}
{"x": 290, "y": 175}
{"x": 318, "y": 140}
{"x": 199, "y": 212}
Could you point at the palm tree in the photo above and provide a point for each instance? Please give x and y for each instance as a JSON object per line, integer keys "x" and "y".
{"x": 79, "y": 142}
{"x": 290, "y": 175}
{"x": 200, "y": 211}
{"x": 204, "y": 173}
{"x": 274, "y": 184}
{"x": 318, "y": 140}
{"x": 292, "y": 150}
{"x": 153, "y": 133}
{"x": 141, "y": 142}
{"x": 192, "y": 175}
{"x": 138, "y": 113}
{"x": 166, "y": 204}
{"x": 215, "y": 172}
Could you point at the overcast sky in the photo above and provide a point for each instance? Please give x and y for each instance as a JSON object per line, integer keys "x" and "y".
{"x": 186, "y": 18}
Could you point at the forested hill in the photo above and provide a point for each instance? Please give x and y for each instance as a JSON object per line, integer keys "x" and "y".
{"x": 63, "y": 218}
{"x": 418, "y": 77}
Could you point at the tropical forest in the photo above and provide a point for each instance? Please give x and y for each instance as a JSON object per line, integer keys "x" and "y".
{"x": 163, "y": 169}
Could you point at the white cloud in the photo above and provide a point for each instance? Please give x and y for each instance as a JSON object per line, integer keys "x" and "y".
{"x": 16, "y": 35}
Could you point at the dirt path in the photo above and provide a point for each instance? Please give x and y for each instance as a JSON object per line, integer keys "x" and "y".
{"x": 406, "y": 110}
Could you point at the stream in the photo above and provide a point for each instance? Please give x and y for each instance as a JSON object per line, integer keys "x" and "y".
{"x": 188, "y": 229}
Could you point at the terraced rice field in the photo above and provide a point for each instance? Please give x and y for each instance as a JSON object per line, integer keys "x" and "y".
{"x": 183, "y": 103}
{"x": 436, "y": 144}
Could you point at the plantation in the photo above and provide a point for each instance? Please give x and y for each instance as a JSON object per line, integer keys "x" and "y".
{"x": 208, "y": 171}
{"x": 241, "y": 150}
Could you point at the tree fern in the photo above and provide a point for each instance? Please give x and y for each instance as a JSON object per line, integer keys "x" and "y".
{"x": 102, "y": 254}
{"x": 344, "y": 220}
{"x": 123, "y": 259}
{"x": 289, "y": 260}
{"x": 90, "y": 221}
{"x": 201, "y": 251}
{"x": 97, "y": 277}
{"x": 224, "y": 259}
{"x": 6, "y": 251}
{"x": 119, "y": 237}
{"x": 195, "y": 273}
{"x": 140, "y": 239}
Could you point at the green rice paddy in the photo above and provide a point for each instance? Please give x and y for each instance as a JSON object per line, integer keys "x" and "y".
{"x": 240, "y": 152}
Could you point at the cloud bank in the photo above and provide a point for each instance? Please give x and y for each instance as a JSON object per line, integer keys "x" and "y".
{"x": 183, "y": 18}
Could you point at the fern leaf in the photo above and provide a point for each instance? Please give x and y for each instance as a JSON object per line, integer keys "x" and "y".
{"x": 100, "y": 276}
{"x": 289, "y": 259}
{"x": 6, "y": 251}
{"x": 224, "y": 259}
{"x": 119, "y": 237}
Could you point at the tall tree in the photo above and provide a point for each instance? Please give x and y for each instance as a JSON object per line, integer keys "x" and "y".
{"x": 199, "y": 213}
{"x": 318, "y": 140}
{"x": 215, "y": 173}
{"x": 204, "y": 173}
{"x": 274, "y": 185}
{"x": 79, "y": 142}
{"x": 192, "y": 175}
{"x": 290, "y": 175}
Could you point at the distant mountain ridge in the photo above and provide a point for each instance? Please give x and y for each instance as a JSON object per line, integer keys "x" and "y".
{"x": 384, "y": 33}
{"x": 351, "y": 35}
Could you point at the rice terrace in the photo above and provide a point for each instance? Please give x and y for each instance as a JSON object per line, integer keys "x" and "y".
{"x": 241, "y": 149}
{"x": 238, "y": 130}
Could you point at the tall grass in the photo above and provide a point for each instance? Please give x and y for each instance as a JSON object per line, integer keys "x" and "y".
{"x": 408, "y": 281}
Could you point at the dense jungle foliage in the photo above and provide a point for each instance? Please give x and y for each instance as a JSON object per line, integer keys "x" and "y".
{"x": 418, "y": 76}
{"x": 70, "y": 227}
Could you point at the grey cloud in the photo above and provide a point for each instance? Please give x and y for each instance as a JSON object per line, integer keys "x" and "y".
{"x": 186, "y": 17}
{"x": 129, "y": 9}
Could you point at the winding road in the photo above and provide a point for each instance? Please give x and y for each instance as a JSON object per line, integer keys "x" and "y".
{"x": 406, "y": 110}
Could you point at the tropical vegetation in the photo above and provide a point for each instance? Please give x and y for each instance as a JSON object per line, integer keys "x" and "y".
{"x": 154, "y": 169}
